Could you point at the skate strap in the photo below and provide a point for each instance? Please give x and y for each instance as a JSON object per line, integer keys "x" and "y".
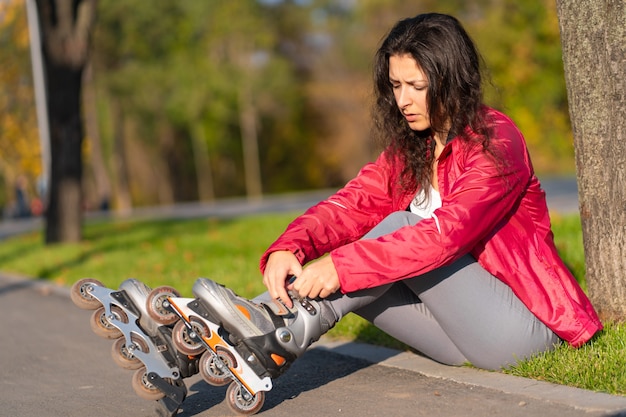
{"x": 277, "y": 320}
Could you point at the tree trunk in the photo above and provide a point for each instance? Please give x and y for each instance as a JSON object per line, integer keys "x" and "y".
{"x": 594, "y": 55}
{"x": 64, "y": 213}
{"x": 66, "y": 27}
{"x": 100, "y": 174}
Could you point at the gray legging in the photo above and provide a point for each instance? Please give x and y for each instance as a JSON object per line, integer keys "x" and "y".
{"x": 454, "y": 314}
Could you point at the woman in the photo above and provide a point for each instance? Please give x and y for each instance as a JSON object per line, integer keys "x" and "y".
{"x": 443, "y": 242}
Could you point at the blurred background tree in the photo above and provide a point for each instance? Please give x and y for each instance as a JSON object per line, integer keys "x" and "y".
{"x": 65, "y": 27}
{"x": 194, "y": 100}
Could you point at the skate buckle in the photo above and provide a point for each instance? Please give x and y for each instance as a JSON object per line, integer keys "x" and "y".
{"x": 307, "y": 306}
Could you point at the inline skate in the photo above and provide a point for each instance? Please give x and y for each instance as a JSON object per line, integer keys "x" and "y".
{"x": 140, "y": 343}
{"x": 242, "y": 343}
{"x": 230, "y": 340}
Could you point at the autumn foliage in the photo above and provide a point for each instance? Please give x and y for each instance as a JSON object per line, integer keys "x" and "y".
{"x": 177, "y": 92}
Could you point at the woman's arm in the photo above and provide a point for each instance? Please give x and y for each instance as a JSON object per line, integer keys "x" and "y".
{"x": 477, "y": 195}
{"x": 342, "y": 218}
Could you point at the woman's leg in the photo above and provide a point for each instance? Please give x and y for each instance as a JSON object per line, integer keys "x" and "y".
{"x": 452, "y": 314}
{"x": 481, "y": 314}
{"x": 481, "y": 318}
{"x": 396, "y": 309}
{"x": 401, "y": 314}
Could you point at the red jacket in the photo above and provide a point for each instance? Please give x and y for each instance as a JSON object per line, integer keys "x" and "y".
{"x": 496, "y": 213}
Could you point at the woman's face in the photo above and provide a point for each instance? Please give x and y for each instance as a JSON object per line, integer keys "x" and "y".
{"x": 410, "y": 85}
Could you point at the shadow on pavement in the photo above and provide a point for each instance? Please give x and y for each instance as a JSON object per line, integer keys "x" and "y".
{"x": 316, "y": 368}
{"x": 16, "y": 285}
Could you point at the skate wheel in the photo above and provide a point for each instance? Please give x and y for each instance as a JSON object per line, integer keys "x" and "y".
{"x": 243, "y": 403}
{"x": 123, "y": 356}
{"x": 212, "y": 371}
{"x": 101, "y": 325}
{"x": 143, "y": 387}
{"x": 155, "y": 305}
{"x": 80, "y": 296}
{"x": 183, "y": 342}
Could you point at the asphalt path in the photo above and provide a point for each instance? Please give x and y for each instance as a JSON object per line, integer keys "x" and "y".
{"x": 52, "y": 364}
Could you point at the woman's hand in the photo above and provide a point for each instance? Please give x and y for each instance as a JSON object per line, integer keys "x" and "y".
{"x": 317, "y": 279}
{"x": 280, "y": 266}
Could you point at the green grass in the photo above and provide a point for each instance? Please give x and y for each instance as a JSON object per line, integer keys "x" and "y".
{"x": 568, "y": 237}
{"x": 598, "y": 365}
{"x": 156, "y": 252}
{"x": 177, "y": 252}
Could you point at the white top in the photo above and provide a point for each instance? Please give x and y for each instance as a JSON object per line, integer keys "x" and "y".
{"x": 427, "y": 206}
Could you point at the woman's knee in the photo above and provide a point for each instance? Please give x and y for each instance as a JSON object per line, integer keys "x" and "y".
{"x": 393, "y": 222}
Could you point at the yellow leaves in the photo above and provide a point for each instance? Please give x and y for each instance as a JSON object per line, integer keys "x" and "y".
{"x": 19, "y": 146}
{"x": 19, "y": 141}
{"x": 12, "y": 16}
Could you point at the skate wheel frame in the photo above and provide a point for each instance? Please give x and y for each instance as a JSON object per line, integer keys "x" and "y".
{"x": 123, "y": 353}
{"x": 241, "y": 401}
{"x": 223, "y": 356}
{"x": 102, "y": 323}
{"x": 184, "y": 336}
{"x": 157, "y": 305}
{"x": 143, "y": 387}
{"x": 114, "y": 319}
{"x": 215, "y": 372}
{"x": 80, "y": 293}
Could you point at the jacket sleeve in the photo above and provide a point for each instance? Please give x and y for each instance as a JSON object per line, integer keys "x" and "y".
{"x": 342, "y": 218}
{"x": 480, "y": 194}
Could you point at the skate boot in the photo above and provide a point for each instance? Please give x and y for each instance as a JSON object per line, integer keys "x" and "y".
{"x": 274, "y": 335}
{"x": 141, "y": 343}
{"x": 245, "y": 343}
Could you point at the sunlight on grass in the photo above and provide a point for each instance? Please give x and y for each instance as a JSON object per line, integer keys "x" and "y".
{"x": 598, "y": 365}
{"x": 568, "y": 238}
{"x": 172, "y": 253}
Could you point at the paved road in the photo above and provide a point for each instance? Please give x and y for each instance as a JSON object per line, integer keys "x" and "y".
{"x": 562, "y": 196}
{"x": 53, "y": 365}
{"x": 225, "y": 208}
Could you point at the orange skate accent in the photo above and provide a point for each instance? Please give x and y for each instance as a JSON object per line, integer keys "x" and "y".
{"x": 213, "y": 340}
{"x": 244, "y": 311}
{"x": 279, "y": 360}
{"x": 169, "y": 299}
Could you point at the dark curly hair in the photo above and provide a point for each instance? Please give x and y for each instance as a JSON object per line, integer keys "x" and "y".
{"x": 448, "y": 57}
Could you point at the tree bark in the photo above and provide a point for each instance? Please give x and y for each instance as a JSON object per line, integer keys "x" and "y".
{"x": 594, "y": 55}
{"x": 66, "y": 28}
{"x": 64, "y": 212}
{"x": 100, "y": 173}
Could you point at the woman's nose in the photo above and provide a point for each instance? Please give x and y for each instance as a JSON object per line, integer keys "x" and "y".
{"x": 403, "y": 98}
